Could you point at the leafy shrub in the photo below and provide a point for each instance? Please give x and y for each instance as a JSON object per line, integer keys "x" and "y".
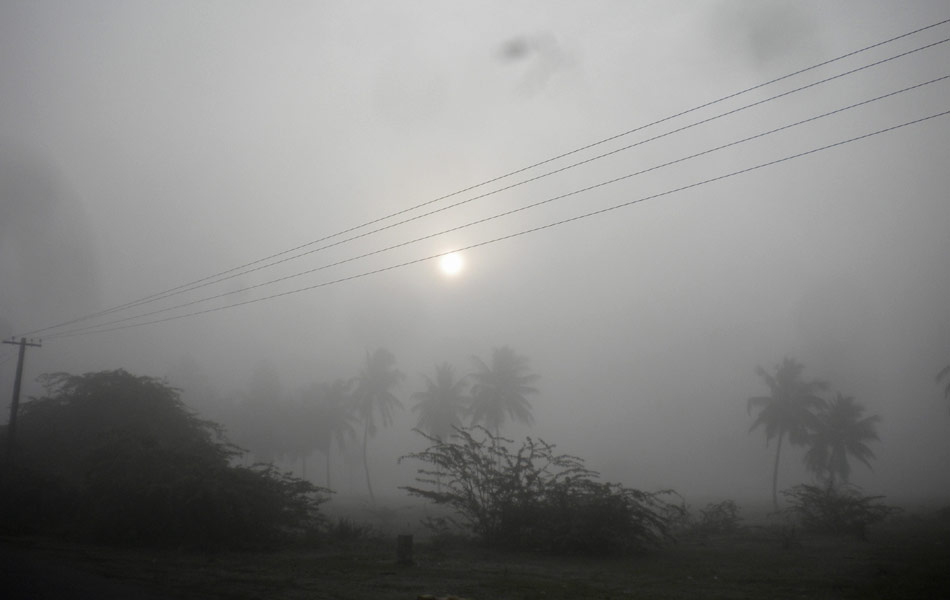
{"x": 836, "y": 509}
{"x": 118, "y": 458}
{"x": 535, "y": 499}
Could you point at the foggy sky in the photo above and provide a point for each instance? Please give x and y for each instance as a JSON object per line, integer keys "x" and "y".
{"x": 147, "y": 145}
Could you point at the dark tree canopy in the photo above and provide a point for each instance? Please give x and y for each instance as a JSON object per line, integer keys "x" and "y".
{"x": 119, "y": 458}
{"x": 60, "y": 431}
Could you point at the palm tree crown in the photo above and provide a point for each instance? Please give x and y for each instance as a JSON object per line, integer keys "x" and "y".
{"x": 500, "y": 389}
{"x": 442, "y": 403}
{"x": 840, "y": 432}
{"x": 787, "y": 410}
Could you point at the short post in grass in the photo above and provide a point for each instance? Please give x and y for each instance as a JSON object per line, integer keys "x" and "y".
{"x": 404, "y": 550}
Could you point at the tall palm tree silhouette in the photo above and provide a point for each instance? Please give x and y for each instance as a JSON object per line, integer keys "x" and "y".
{"x": 788, "y": 409}
{"x": 333, "y": 417}
{"x": 373, "y": 396}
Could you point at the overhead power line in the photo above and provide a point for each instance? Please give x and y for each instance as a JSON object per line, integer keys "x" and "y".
{"x": 246, "y": 268}
{"x": 519, "y": 233}
{"x": 512, "y": 211}
{"x": 227, "y": 277}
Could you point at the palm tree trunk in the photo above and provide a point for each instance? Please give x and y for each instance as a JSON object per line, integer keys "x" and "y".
{"x": 778, "y": 452}
{"x": 328, "y": 469}
{"x": 369, "y": 485}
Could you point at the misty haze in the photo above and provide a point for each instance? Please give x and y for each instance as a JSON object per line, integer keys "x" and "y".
{"x": 599, "y": 299}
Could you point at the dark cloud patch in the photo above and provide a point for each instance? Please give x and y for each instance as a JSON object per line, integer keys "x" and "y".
{"x": 540, "y": 56}
{"x": 768, "y": 34}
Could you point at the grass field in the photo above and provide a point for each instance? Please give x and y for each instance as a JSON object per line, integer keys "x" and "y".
{"x": 907, "y": 558}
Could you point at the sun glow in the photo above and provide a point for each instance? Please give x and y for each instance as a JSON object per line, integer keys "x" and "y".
{"x": 451, "y": 264}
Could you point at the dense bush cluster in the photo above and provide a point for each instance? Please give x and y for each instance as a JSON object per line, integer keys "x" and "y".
{"x": 534, "y": 499}
{"x": 836, "y": 509}
{"x": 118, "y": 458}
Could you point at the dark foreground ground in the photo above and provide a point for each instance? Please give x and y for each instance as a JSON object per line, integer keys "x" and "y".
{"x": 909, "y": 558}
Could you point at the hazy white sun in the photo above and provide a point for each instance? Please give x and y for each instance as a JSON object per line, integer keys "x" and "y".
{"x": 451, "y": 264}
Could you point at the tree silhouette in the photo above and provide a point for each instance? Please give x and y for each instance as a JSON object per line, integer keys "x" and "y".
{"x": 945, "y": 374}
{"x": 333, "y": 417}
{"x": 120, "y": 458}
{"x": 442, "y": 403}
{"x": 440, "y": 406}
{"x": 499, "y": 390}
{"x": 840, "y": 431}
{"x": 787, "y": 410}
{"x": 374, "y": 386}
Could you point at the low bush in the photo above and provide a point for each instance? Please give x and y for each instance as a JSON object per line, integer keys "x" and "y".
{"x": 715, "y": 519}
{"x": 836, "y": 509}
{"x": 718, "y": 517}
{"x": 534, "y": 499}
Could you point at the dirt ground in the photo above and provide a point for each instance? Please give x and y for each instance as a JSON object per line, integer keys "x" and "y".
{"x": 907, "y": 559}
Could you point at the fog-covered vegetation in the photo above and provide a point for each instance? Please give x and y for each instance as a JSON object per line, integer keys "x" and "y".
{"x": 532, "y": 498}
{"x": 264, "y": 250}
{"x": 115, "y": 457}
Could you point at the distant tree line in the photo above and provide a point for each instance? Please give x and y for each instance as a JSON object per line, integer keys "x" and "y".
{"x": 327, "y": 417}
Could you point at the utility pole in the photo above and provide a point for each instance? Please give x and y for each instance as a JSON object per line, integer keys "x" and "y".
{"x": 15, "y": 404}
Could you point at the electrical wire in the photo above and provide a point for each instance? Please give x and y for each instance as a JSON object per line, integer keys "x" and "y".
{"x": 536, "y": 178}
{"x": 513, "y": 211}
{"x": 519, "y": 233}
{"x": 233, "y": 272}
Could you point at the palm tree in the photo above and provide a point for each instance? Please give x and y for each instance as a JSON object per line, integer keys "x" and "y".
{"x": 945, "y": 374}
{"x": 840, "y": 431}
{"x": 500, "y": 389}
{"x": 333, "y": 417}
{"x": 787, "y": 410}
{"x": 374, "y": 395}
{"x": 441, "y": 404}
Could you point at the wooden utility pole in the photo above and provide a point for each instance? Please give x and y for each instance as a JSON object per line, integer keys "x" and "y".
{"x": 15, "y": 404}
